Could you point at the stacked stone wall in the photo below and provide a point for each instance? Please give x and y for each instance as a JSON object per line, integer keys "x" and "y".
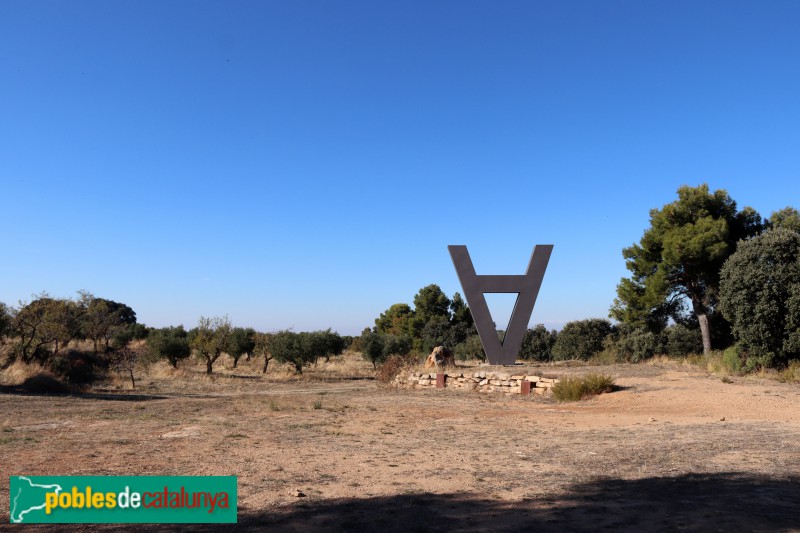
{"x": 477, "y": 381}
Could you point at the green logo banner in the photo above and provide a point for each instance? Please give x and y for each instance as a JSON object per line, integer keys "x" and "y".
{"x": 122, "y": 499}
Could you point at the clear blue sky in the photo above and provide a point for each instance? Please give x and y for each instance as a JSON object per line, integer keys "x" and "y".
{"x": 305, "y": 164}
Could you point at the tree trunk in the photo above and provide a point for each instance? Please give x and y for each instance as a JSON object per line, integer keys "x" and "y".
{"x": 133, "y": 382}
{"x": 209, "y": 366}
{"x": 235, "y": 361}
{"x": 95, "y": 346}
{"x": 266, "y": 362}
{"x": 705, "y": 330}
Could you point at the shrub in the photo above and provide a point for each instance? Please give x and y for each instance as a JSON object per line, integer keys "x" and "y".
{"x": 790, "y": 374}
{"x": 581, "y": 339}
{"x": 392, "y": 366}
{"x": 469, "y": 349}
{"x": 680, "y": 341}
{"x": 377, "y": 347}
{"x": 573, "y": 389}
{"x": 740, "y": 359}
{"x": 537, "y": 345}
{"x": 45, "y": 384}
{"x": 78, "y": 368}
{"x": 760, "y": 296}
{"x": 633, "y": 345}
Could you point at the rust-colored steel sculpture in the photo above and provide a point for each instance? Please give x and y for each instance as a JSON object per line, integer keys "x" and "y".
{"x": 526, "y": 287}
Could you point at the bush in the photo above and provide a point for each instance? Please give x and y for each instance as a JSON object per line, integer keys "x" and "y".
{"x": 574, "y": 389}
{"x": 760, "y": 296}
{"x": 581, "y": 339}
{"x": 791, "y": 374}
{"x": 680, "y": 341}
{"x": 633, "y": 345}
{"x": 377, "y": 347}
{"x": 45, "y": 384}
{"x": 469, "y": 349}
{"x": 740, "y": 359}
{"x": 537, "y": 345}
{"x": 78, "y": 368}
{"x": 392, "y": 366}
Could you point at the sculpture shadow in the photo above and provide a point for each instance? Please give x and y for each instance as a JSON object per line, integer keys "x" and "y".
{"x": 696, "y": 502}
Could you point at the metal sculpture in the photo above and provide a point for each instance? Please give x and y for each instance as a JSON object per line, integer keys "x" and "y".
{"x": 526, "y": 287}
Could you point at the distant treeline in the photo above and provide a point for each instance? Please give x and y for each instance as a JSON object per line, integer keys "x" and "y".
{"x": 41, "y": 331}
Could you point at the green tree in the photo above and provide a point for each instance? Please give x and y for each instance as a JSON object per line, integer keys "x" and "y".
{"x": 460, "y": 312}
{"x": 333, "y": 344}
{"x": 290, "y": 347}
{"x": 760, "y": 295}
{"x": 211, "y": 339}
{"x": 680, "y": 341}
{"x": 397, "y": 320}
{"x": 242, "y": 341}
{"x": 372, "y": 346}
{"x": 169, "y": 343}
{"x": 537, "y": 345}
{"x": 680, "y": 256}
{"x": 5, "y": 321}
{"x": 103, "y": 319}
{"x": 377, "y": 347}
{"x": 61, "y": 323}
{"x": 581, "y": 339}
{"x": 262, "y": 348}
{"x": 441, "y": 332}
{"x": 43, "y": 322}
{"x": 396, "y": 345}
{"x": 471, "y": 348}
{"x": 786, "y": 218}
{"x": 430, "y": 302}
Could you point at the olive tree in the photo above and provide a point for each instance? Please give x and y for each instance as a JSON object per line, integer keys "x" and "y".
{"x": 242, "y": 341}
{"x": 169, "y": 343}
{"x": 292, "y": 348}
{"x": 211, "y": 339}
{"x": 262, "y": 348}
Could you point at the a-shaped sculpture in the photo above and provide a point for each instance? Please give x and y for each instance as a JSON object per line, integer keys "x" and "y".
{"x": 526, "y": 287}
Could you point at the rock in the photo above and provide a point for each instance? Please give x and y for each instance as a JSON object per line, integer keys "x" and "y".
{"x": 298, "y": 493}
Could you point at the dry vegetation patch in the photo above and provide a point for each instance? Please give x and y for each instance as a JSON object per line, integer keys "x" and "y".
{"x": 675, "y": 448}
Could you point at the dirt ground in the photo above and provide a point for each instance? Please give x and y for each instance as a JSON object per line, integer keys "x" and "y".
{"x": 675, "y": 449}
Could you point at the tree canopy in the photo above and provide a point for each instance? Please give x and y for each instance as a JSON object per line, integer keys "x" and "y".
{"x": 760, "y": 295}
{"x": 679, "y": 257}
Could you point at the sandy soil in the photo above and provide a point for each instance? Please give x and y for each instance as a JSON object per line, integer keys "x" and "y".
{"x": 675, "y": 449}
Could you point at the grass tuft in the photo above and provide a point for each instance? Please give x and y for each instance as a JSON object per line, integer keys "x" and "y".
{"x": 577, "y": 388}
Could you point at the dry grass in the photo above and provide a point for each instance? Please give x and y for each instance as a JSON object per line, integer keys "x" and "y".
{"x": 573, "y": 389}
